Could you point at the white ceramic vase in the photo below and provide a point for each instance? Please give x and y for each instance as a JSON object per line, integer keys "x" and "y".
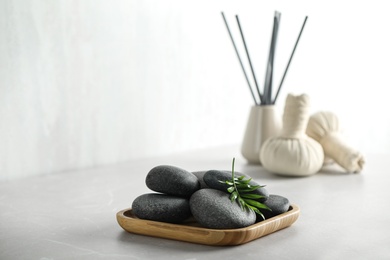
{"x": 263, "y": 122}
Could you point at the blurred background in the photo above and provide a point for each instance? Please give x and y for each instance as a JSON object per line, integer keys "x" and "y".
{"x": 88, "y": 83}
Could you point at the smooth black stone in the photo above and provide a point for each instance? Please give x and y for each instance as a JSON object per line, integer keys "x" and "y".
{"x": 212, "y": 178}
{"x": 213, "y": 209}
{"x": 172, "y": 180}
{"x": 278, "y": 204}
{"x": 199, "y": 175}
{"x": 161, "y": 207}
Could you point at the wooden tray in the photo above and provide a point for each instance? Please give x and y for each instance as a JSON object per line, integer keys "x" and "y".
{"x": 192, "y": 232}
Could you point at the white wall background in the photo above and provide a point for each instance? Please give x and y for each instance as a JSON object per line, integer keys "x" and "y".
{"x": 85, "y": 83}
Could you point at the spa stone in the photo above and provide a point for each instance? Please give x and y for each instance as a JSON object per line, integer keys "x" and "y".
{"x": 161, "y": 207}
{"x": 172, "y": 180}
{"x": 213, "y": 209}
{"x": 278, "y": 204}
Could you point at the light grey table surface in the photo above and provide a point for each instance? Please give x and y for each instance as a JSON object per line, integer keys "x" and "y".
{"x": 72, "y": 215}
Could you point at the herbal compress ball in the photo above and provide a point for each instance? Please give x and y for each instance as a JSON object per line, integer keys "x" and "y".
{"x": 324, "y": 127}
{"x": 293, "y": 152}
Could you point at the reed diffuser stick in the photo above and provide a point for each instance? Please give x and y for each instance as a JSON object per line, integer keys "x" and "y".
{"x": 288, "y": 64}
{"x": 270, "y": 64}
{"x": 249, "y": 59}
{"x": 239, "y": 59}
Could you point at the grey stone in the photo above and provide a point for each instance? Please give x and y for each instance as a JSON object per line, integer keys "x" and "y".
{"x": 161, "y": 207}
{"x": 199, "y": 175}
{"x": 213, "y": 209}
{"x": 278, "y": 204}
{"x": 212, "y": 178}
{"x": 172, "y": 180}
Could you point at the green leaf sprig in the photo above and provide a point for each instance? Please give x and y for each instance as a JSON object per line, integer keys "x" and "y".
{"x": 240, "y": 190}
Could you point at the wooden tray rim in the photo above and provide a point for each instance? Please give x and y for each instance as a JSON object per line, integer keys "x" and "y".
{"x": 292, "y": 213}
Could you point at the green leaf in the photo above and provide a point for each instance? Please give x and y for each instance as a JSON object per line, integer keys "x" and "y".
{"x": 246, "y": 181}
{"x": 250, "y": 189}
{"x": 233, "y": 196}
{"x": 257, "y": 211}
{"x": 231, "y": 189}
{"x": 256, "y": 204}
{"x": 252, "y": 208}
{"x": 241, "y": 202}
{"x": 242, "y": 186}
{"x": 251, "y": 196}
